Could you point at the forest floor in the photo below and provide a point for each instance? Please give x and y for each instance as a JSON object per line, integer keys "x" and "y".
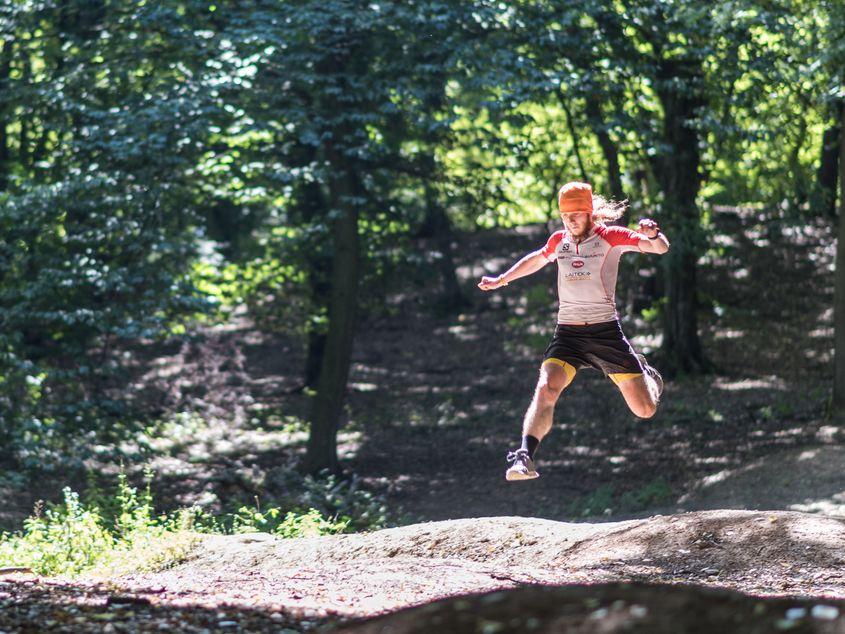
{"x": 707, "y": 571}
{"x": 436, "y": 401}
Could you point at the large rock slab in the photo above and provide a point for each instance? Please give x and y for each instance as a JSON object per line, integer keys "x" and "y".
{"x": 763, "y": 553}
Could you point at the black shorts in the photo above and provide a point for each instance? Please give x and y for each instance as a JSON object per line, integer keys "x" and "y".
{"x": 600, "y": 346}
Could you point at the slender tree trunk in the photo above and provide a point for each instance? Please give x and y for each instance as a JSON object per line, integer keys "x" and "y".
{"x": 826, "y": 175}
{"x": 576, "y": 139}
{"x": 839, "y": 284}
{"x": 319, "y": 281}
{"x": 680, "y": 181}
{"x": 343, "y": 299}
{"x": 608, "y": 147}
{"x": 799, "y": 184}
{"x": 439, "y": 228}
{"x": 314, "y": 358}
{"x": 5, "y": 66}
{"x": 437, "y": 224}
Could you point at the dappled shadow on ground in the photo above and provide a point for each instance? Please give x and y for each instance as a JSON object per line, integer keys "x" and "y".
{"x": 759, "y": 553}
{"x": 36, "y": 606}
{"x": 436, "y": 400}
{"x": 449, "y": 408}
{"x": 805, "y": 479}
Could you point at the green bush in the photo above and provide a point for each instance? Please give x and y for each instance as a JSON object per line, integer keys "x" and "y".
{"x": 599, "y": 502}
{"x": 606, "y": 500}
{"x": 68, "y": 538}
{"x": 82, "y": 270}
{"x": 292, "y": 524}
{"x": 122, "y": 533}
{"x": 345, "y": 500}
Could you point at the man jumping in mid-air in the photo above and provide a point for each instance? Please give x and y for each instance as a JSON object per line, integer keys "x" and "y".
{"x": 588, "y": 333}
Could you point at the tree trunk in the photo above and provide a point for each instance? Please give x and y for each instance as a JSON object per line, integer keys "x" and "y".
{"x": 680, "y": 180}
{"x": 314, "y": 358}
{"x": 608, "y": 147}
{"x": 576, "y": 139}
{"x": 826, "y": 175}
{"x": 5, "y": 66}
{"x": 437, "y": 224}
{"x": 343, "y": 299}
{"x": 439, "y": 228}
{"x": 839, "y": 284}
{"x": 318, "y": 274}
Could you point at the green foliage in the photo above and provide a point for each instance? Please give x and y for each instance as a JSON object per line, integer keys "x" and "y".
{"x": 652, "y": 494}
{"x": 273, "y": 289}
{"x": 91, "y": 281}
{"x": 607, "y": 500}
{"x": 161, "y": 162}
{"x": 67, "y": 539}
{"x": 97, "y": 204}
{"x": 653, "y": 312}
{"x": 80, "y": 536}
{"x": 311, "y": 523}
{"x": 346, "y": 499}
{"x": 538, "y": 298}
{"x": 599, "y": 502}
{"x": 122, "y": 532}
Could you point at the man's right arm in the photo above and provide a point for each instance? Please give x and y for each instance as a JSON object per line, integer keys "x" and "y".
{"x": 528, "y": 264}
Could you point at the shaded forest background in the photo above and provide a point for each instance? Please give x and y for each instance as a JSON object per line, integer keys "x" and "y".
{"x": 176, "y": 176}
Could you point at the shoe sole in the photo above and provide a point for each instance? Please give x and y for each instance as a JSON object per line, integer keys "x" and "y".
{"x": 513, "y": 476}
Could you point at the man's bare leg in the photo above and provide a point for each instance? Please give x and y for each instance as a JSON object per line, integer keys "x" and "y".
{"x": 641, "y": 394}
{"x": 554, "y": 378}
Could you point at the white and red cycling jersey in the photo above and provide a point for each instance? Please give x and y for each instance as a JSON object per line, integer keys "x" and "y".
{"x": 587, "y": 270}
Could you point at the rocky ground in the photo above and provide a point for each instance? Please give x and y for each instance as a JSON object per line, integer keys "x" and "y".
{"x": 775, "y": 553}
{"x": 261, "y": 583}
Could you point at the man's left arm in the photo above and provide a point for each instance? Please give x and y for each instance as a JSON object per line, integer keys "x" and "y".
{"x": 655, "y": 241}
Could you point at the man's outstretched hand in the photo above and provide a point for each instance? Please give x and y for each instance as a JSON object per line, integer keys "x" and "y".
{"x": 648, "y": 227}
{"x": 488, "y": 283}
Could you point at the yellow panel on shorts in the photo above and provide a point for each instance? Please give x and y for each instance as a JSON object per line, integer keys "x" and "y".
{"x": 621, "y": 377}
{"x": 567, "y": 367}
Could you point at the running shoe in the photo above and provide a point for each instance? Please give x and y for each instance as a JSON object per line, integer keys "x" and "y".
{"x": 522, "y": 466}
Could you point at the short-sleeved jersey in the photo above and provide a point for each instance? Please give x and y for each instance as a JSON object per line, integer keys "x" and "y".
{"x": 586, "y": 272}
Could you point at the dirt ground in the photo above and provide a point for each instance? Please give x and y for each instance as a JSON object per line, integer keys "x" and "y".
{"x": 436, "y": 401}
{"x": 784, "y": 570}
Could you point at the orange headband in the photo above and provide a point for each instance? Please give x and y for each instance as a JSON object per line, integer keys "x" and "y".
{"x": 575, "y": 198}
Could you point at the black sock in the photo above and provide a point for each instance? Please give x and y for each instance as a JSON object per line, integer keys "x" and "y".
{"x": 530, "y": 444}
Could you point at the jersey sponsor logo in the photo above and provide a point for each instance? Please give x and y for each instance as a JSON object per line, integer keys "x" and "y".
{"x": 564, "y": 246}
{"x": 577, "y": 264}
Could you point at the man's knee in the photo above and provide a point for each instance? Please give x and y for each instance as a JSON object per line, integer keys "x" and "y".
{"x": 554, "y": 377}
{"x": 645, "y": 410}
{"x": 550, "y": 386}
{"x": 548, "y": 392}
{"x": 638, "y": 396}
